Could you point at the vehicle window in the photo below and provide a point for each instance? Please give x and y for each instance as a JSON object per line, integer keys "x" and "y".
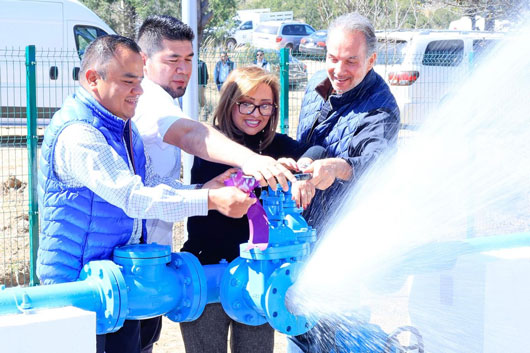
{"x": 84, "y": 35}
{"x": 246, "y": 25}
{"x": 444, "y": 53}
{"x": 390, "y": 51}
{"x": 294, "y": 30}
{"x": 309, "y": 30}
{"x": 287, "y": 30}
{"x": 482, "y": 47}
{"x": 268, "y": 29}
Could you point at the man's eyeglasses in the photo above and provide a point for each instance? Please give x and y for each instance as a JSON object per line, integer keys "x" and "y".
{"x": 259, "y": 54}
{"x": 248, "y": 108}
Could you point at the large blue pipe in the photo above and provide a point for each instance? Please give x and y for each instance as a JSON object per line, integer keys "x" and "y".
{"x": 145, "y": 281}
{"x": 100, "y": 289}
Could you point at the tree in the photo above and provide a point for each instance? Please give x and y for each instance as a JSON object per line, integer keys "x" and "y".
{"x": 491, "y": 10}
{"x": 384, "y": 14}
{"x": 125, "y": 16}
{"x": 214, "y": 28}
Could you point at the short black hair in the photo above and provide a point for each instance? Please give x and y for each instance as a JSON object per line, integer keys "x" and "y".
{"x": 100, "y": 51}
{"x": 159, "y": 27}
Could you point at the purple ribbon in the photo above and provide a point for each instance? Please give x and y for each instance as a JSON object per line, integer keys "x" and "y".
{"x": 258, "y": 223}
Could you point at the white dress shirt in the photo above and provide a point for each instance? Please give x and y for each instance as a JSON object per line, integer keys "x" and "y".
{"x": 155, "y": 113}
{"x": 83, "y": 158}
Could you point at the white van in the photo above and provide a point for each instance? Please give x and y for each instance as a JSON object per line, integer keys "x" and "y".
{"x": 422, "y": 66}
{"x": 60, "y": 31}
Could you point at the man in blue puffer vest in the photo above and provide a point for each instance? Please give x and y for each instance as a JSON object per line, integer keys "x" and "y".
{"x": 95, "y": 186}
{"x": 349, "y": 110}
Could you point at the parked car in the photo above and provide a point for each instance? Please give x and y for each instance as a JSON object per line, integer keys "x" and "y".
{"x": 278, "y": 34}
{"x": 422, "y": 67}
{"x": 250, "y": 19}
{"x": 314, "y": 44}
{"x": 297, "y": 72}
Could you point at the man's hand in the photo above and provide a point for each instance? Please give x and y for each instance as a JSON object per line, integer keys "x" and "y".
{"x": 267, "y": 170}
{"x": 303, "y": 163}
{"x": 325, "y": 171}
{"x": 303, "y": 192}
{"x": 230, "y": 201}
{"x": 219, "y": 181}
{"x": 288, "y": 163}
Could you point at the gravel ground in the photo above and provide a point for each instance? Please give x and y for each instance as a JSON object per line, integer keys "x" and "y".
{"x": 171, "y": 341}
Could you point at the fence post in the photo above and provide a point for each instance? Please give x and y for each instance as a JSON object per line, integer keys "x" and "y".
{"x": 32, "y": 140}
{"x": 284, "y": 90}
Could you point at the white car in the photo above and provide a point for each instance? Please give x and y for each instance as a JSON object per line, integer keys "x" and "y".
{"x": 422, "y": 66}
{"x": 280, "y": 34}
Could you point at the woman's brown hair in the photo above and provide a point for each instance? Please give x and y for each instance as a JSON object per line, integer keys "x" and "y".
{"x": 238, "y": 84}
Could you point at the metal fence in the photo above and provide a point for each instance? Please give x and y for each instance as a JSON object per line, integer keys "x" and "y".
{"x": 53, "y": 76}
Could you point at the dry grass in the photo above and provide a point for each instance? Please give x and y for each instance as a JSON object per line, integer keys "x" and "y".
{"x": 14, "y": 225}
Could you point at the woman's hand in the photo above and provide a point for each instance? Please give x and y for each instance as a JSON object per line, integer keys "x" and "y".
{"x": 288, "y": 163}
{"x": 267, "y": 170}
{"x": 303, "y": 192}
{"x": 219, "y": 181}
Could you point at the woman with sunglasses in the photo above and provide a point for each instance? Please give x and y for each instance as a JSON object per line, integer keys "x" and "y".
{"x": 247, "y": 113}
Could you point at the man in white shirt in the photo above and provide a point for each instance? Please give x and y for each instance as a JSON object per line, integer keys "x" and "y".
{"x": 167, "y": 50}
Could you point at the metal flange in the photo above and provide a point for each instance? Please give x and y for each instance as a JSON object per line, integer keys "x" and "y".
{"x": 234, "y": 295}
{"x": 107, "y": 277}
{"x": 194, "y": 287}
{"x": 278, "y": 315}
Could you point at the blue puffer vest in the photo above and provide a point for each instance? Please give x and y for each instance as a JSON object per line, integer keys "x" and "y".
{"x": 78, "y": 226}
{"x": 335, "y": 134}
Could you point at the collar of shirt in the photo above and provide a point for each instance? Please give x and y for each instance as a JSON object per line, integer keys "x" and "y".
{"x": 155, "y": 113}
{"x": 156, "y": 92}
{"x": 110, "y": 120}
{"x": 325, "y": 90}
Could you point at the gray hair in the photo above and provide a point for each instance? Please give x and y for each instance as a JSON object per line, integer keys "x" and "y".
{"x": 352, "y": 22}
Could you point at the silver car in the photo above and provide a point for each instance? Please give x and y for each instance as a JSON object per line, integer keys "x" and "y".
{"x": 277, "y": 35}
{"x": 314, "y": 44}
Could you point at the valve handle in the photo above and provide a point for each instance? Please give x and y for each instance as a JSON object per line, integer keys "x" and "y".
{"x": 258, "y": 222}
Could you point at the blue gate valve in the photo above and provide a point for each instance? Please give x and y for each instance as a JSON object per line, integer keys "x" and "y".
{"x": 254, "y": 286}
